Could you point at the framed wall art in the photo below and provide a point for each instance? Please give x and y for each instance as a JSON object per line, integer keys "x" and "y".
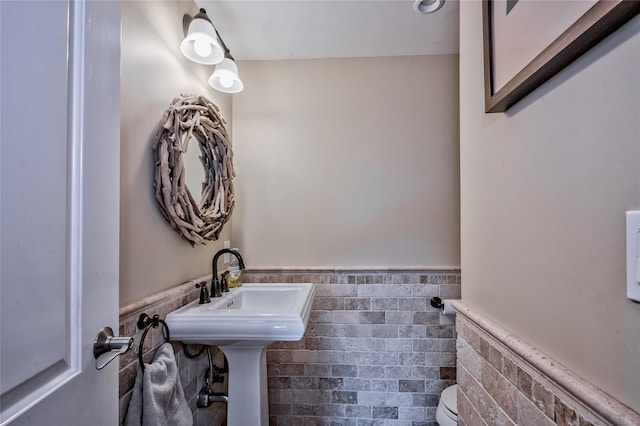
{"x": 527, "y": 42}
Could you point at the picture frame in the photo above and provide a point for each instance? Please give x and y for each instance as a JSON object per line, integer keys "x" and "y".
{"x": 516, "y": 62}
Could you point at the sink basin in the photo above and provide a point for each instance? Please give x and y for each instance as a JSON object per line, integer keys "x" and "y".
{"x": 251, "y": 314}
{"x": 241, "y": 324}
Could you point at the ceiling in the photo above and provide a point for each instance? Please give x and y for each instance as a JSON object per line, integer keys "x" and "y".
{"x": 310, "y": 29}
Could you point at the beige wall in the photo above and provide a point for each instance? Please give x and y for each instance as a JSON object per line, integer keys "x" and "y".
{"x": 153, "y": 257}
{"x": 348, "y": 162}
{"x": 544, "y": 191}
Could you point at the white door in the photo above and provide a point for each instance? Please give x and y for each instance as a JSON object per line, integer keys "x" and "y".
{"x": 59, "y": 178}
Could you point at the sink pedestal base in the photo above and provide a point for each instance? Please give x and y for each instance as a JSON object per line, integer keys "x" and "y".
{"x": 242, "y": 323}
{"x": 248, "y": 399}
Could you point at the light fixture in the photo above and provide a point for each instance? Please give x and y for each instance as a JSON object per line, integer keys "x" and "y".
{"x": 200, "y": 43}
{"x": 203, "y": 44}
{"x": 427, "y": 6}
{"x": 225, "y": 77}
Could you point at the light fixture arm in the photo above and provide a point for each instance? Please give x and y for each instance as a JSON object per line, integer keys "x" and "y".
{"x": 227, "y": 53}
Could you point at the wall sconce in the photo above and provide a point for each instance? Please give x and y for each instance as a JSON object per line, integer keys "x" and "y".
{"x": 202, "y": 44}
{"x": 225, "y": 77}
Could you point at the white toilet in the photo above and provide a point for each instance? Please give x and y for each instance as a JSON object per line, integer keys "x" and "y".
{"x": 447, "y": 411}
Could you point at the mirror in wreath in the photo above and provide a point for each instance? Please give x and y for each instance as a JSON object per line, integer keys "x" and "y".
{"x": 195, "y": 176}
{"x": 193, "y": 120}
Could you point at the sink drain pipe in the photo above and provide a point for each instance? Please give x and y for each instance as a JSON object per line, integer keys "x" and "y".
{"x": 207, "y": 396}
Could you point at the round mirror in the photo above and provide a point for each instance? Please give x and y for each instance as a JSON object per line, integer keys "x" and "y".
{"x": 192, "y": 131}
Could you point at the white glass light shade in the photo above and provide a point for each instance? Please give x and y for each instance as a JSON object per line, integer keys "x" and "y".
{"x": 225, "y": 77}
{"x": 201, "y": 43}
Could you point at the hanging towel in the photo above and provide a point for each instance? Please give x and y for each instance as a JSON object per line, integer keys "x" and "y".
{"x": 157, "y": 397}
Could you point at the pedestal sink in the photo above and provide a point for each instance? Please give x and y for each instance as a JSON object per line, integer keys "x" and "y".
{"x": 242, "y": 323}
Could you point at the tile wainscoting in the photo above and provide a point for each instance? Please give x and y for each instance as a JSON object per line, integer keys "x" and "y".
{"x": 375, "y": 352}
{"x": 192, "y": 371}
{"x": 503, "y": 380}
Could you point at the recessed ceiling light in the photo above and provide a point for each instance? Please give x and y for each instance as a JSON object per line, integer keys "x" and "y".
{"x": 427, "y": 6}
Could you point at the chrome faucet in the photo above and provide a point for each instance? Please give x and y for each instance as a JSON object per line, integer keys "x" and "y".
{"x": 215, "y": 284}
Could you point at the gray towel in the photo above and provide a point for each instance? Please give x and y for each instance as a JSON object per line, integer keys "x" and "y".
{"x": 157, "y": 397}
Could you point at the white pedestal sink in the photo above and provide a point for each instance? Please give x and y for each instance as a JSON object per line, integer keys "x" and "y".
{"x": 242, "y": 323}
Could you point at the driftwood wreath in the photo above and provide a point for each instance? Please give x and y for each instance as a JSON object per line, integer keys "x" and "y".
{"x": 194, "y": 118}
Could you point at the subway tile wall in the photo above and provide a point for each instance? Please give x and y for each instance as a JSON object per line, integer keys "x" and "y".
{"x": 192, "y": 371}
{"x": 375, "y": 352}
{"x": 500, "y": 383}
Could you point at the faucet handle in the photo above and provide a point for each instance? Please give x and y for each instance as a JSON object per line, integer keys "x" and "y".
{"x": 224, "y": 286}
{"x": 204, "y": 293}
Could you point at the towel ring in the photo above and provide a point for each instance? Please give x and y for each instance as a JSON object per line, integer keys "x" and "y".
{"x": 146, "y": 322}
